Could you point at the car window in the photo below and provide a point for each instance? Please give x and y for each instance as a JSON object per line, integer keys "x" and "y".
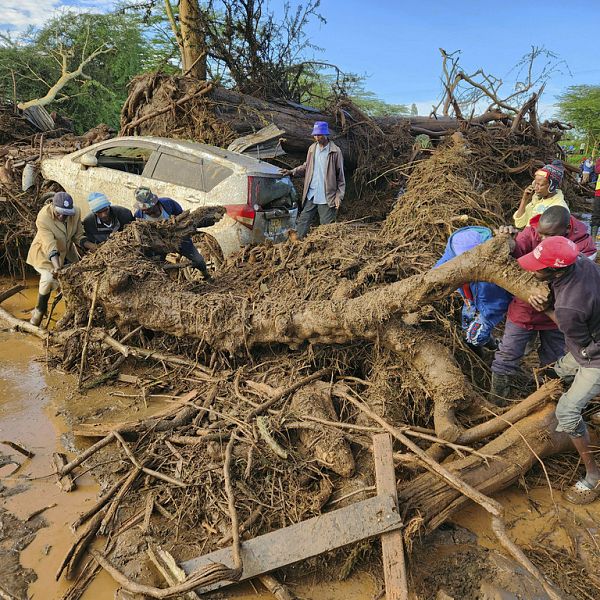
{"x": 178, "y": 170}
{"x": 130, "y": 159}
{"x": 214, "y": 174}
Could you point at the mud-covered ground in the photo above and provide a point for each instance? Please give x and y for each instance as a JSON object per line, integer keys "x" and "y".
{"x": 37, "y": 405}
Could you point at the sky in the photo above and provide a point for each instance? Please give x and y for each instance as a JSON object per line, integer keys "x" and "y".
{"x": 396, "y": 44}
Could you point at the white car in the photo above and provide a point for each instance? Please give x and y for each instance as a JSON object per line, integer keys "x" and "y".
{"x": 260, "y": 203}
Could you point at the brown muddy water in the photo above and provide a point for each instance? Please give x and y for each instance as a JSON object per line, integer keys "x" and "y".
{"x": 34, "y": 407}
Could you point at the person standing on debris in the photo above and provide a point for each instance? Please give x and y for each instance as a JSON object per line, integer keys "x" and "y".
{"x": 523, "y": 322}
{"x": 587, "y": 168}
{"x": 104, "y": 218}
{"x": 59, "y": 232}
{"x": 324, "y": 181}
{"x": 485, "y": 304}
{"x": 541, "y": 194}
{"x": 575, "y": 285}
{"x": 149, "y": 207}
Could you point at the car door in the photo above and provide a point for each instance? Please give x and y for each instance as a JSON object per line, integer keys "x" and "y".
{"x": 122, "y": 167}
{"x": 179, "y": 176}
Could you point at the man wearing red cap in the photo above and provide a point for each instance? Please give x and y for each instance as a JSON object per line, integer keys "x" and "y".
{"x": 575, "y": 285}
{"x": 523, "y": 322}
{"x": 324, "y": 181}
{"x": 541, "y": 194}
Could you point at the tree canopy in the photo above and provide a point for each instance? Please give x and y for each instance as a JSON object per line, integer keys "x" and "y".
{"x": 580, "y": 105}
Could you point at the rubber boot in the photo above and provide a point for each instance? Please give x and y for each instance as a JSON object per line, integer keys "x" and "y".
{"x": 500, "y": 389}
{"x": 40, "y": 310}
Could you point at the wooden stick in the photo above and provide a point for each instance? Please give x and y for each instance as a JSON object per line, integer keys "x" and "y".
{"x": 150, "y": 472}
{"x": 516, "y": 413}
{"x": 207, "y": 576}
{"x": 105, "y": 441}
{"x": 235, "y": 528}
{"x": 15, "y": 289}
{"x": 86, "y": 335}
{"x": 112, "y": 509}
{"x": 491, "y": 506}
{"x": 287, "y": 390}
{"x": 392, "y": 543}
{"x": 275, "y": 587}
{"x": 18, "y": 448}
{"x": 24, "y": 326}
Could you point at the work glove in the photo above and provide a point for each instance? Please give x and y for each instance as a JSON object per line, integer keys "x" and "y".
{"x": 468, "y": 314}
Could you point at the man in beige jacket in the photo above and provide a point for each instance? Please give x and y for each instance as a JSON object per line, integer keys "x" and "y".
{"x": 324, "y": 181}
{"x": 59, "y": 230}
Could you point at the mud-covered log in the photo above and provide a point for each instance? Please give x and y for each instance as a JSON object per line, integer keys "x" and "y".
{"x": 513, "y": 453}
{"x": 148, "y": 298}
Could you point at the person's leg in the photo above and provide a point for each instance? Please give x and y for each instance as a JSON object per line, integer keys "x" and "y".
{"x": 46, "y": 286}
{"x": 552, "y": 346}
{"x": 189, "y": 250}
{"x": 306, "y": 218}
{"x": 327, "y": 214}
{"x": 507, "y": 360}
{"x": 572, "y": 403}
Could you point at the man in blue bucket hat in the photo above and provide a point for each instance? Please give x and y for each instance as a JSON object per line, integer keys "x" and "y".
{"x": 324, "y": 181}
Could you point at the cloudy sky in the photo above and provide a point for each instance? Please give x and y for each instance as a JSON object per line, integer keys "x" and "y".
{"x": 395, "y": 43}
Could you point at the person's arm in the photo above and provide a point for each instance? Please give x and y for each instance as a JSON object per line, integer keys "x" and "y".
{"x": 574, "y": 325}
{"x": 79, "y": 236}
{"x": 341, "y": 180}
{"x": 177, "y": 210}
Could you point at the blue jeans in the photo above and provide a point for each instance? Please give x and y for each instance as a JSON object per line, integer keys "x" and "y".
{"x": 309, "y": 213}
{"x": 572, "y": 403}
{"x": 507, "y": 359}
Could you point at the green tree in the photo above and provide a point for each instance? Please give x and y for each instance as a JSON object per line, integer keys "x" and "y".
{"x": 35, "y": 60}
{"x": 580, "y": 105}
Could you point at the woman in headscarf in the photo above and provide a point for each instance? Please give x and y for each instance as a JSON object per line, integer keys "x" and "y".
{"x": 543, "y": 193}
{"x": 59, "y": 231}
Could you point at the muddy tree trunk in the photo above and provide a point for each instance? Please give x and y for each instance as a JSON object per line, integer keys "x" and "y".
{"x": 148, "y": 297}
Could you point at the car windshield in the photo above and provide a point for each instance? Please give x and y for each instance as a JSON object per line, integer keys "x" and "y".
{"x": 273, "y": 190}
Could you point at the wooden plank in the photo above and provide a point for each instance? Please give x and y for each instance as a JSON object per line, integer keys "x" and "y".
{"x": 392, "y": 543}
{"x": 303, "y": 540}
{"x": 66, "y": 482}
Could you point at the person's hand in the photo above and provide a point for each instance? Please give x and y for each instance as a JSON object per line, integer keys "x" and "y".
{"x": 285, "y": 172}
{"x": 539, "y": 302}
{"x": 529, "y": 191}
{"x": 338, "y": 203}
{"x": 91, "y": 246}
{"x": 507, "y": 229}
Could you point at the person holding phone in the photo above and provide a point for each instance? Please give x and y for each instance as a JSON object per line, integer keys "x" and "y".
{"x": 543, "y": 192}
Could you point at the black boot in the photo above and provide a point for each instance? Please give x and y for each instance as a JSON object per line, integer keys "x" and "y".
{"x": 40, "y": 310}
{"x": 500, "y": 389}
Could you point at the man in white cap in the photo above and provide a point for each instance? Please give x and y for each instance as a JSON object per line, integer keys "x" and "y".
{"x": 59, "y": 231}
{"x": 324, "y": 181}
{"x": 575, "y": 284}
{"x": 104, "y": 219}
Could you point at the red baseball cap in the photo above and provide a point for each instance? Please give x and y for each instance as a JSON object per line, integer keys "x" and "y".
{"x": 554, "y": 252}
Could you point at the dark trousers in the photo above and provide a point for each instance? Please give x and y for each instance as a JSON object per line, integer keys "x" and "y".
{"x": 507, "y": 359}
{"x": 190, "y": 252}
{"x": 596, "y": 212}
{"x": 309, "y": 213}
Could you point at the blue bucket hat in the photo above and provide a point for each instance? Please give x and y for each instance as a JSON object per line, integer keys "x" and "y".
{"x": 98, "y": 201}
{"x": 320, "y": 128}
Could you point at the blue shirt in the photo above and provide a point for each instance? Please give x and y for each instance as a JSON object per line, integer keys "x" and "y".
{"x": 316, "y": 190}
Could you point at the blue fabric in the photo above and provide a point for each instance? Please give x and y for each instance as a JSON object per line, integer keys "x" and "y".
{"x": 320, "y": 128}
{"x": 171, "y": 207}
{"x": 490, "y": 302}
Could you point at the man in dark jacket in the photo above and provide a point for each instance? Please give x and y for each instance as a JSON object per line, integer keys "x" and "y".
{"x": 575, "y": 284}
{"x": 324, "y": 180}
{"x": 104, "y": 218}
{"x": 524, "y": 323}
{"x": 485, "y": 303}
{"x": 149, "y": 207}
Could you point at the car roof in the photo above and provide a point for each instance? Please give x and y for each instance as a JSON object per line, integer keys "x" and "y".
{"x": 245, "y": 163}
